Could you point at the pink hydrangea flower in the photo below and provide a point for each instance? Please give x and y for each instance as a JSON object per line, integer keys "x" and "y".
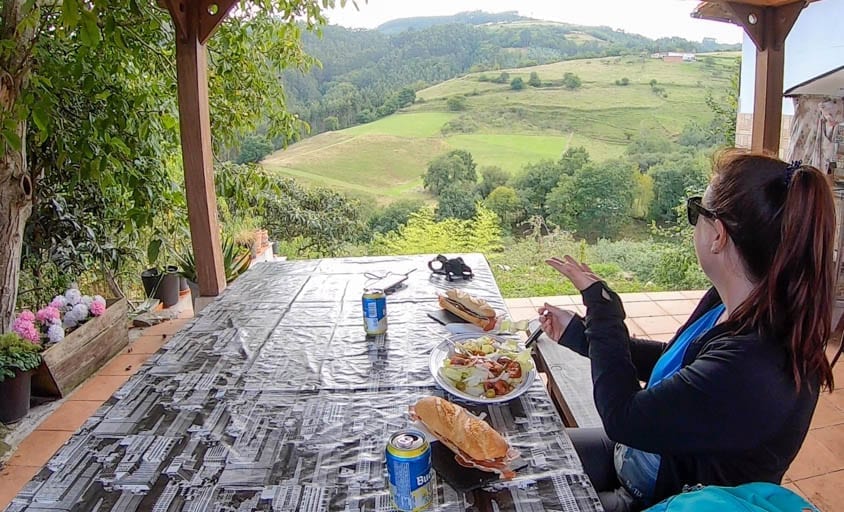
{"x": 27, "y": 316}
{"x": 26, "y": 330}
{"x": 48, "y": 315}
{"x": 97, "y": 308}
{"x": 58, "y": 302}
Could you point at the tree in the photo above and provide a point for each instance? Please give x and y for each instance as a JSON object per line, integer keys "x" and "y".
{"x": 534, "y": 184}
{"x": 456, "y": 103}
{"x": 723, "y": 125}
{"x": 406, "y": 97}
{"x": 596, "y": 202}
{"x": 571, "y": 81}
{"x": 492, "y": 177}
{"x": 573, "y": 160}
{"x": 454, "y": 202}
{"x": 505, "y": 202}
{"x": 673, "y": 180}
{"x": 254, "y": 149}
{"x": 534, "y": 80}
{"x": 454, "y": 168}
{"x": 517, "y": 84}
{"x": 117, "y": 60}
{"x": 393, "y": 216}
{"x": 503, "y": 78}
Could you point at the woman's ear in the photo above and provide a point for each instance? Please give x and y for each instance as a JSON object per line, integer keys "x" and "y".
{"x": 719, "y": 242}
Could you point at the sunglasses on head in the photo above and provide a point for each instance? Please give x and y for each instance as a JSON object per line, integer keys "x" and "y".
{"x": 694, "y": 209}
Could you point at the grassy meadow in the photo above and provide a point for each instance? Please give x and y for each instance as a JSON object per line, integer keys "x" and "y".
{"x": 384, "y": 160}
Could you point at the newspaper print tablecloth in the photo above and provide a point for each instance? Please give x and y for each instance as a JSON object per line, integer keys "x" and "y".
{"x": 274, "y": 399}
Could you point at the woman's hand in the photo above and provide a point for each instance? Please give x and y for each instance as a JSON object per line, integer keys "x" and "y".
{"x": 554, "y": 320}
{"x": 580, "y": 275}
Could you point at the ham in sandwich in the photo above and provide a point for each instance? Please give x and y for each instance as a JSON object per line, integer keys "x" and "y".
{"x": 472, "y": 309}
{"x": 474, "y": 442}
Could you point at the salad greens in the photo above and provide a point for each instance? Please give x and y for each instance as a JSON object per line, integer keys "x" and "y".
{"x": 486, "y": 367}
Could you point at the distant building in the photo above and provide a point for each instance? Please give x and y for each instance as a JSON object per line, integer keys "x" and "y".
{"x": 678, "y": 57}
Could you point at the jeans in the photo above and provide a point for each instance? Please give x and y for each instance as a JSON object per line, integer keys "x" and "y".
{"x": 596, "y": 454}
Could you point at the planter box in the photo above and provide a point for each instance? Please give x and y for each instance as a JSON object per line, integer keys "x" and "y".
{"x": 84, "y": 351}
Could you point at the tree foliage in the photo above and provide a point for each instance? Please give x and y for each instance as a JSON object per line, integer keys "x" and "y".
{"x": 673, "y": 181}
{"x": 517, "y": 84}
{"x": 595, "y": 202}
{"x": 534, "y": 184}
{"x": 423, "y": 233}
{"x": 253, "y": 149}
{"x": 534, "y": 80}
{"x": 504, "y": 202}
{"x": 453, "y": 168}
{"x": 393, "y": 216}
{"x": 492, "y": 177}
{"x": 456, "y": 201}
{"x": 571, "y": 81}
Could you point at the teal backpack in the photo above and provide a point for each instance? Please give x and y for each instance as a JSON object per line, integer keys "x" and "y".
{"x": 752, "y": 497}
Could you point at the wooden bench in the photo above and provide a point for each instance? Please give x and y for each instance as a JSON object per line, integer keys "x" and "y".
{"x": 569, "y": 382}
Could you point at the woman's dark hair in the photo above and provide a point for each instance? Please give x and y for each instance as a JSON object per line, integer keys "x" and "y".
{"x": 782, "y": 220}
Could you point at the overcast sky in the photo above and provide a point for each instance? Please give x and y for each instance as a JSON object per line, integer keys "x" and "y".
{"x": 652, "y": 18}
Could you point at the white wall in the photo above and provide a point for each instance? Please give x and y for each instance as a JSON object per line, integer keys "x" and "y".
{"x": 814, "y": 46}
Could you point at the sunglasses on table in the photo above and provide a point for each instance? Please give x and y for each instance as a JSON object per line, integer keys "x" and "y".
{"x": 694, "y": 209}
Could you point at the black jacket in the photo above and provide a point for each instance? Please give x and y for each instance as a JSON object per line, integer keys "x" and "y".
{"x": 731, "y": 415}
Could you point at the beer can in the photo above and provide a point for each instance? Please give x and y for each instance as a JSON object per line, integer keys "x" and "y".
{"x": 374, "y": 311}
{"x": 409, "y": 470}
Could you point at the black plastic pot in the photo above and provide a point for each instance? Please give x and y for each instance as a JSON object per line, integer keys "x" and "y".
{"x": 15, "y": 393}
{"x": 194, "y": 292}
{"x": 168, "y": 290}
{"x": 183, "y": 284}
{"x": 151, "y": 278}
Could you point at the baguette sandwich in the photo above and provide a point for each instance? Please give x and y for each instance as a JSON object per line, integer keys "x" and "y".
{"x": 474, "y": 442}
{"x": 472, "y": 309}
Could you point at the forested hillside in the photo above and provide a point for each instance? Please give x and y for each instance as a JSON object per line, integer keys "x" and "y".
{"x": 368, "y": 74}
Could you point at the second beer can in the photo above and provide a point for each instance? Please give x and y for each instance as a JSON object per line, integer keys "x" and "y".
{"x": 409, "y": 470}
{"x": 374, "y": 311}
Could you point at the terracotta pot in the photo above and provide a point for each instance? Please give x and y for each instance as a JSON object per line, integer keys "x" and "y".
{"x": 15, "y": 396}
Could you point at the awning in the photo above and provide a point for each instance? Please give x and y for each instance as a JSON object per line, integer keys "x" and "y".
{"x": 830, "y": 83}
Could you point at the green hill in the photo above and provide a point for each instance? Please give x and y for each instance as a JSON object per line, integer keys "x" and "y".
{"x": 384, "y": 160}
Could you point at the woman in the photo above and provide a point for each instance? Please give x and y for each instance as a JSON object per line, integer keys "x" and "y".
{"x": 729, "y": 400}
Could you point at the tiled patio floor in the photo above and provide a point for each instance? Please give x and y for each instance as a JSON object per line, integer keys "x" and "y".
{"x": 817, "y": 473}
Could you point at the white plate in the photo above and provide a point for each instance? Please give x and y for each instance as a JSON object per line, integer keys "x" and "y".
{"x": 444, "y": 350}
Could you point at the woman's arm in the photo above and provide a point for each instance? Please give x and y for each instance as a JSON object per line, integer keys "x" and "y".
{"x": 731, "y": 396}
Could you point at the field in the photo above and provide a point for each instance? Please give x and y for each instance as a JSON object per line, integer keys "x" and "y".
{"x": 384, "y": 160}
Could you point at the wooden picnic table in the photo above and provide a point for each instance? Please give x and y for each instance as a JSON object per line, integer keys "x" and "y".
{"x": 273, "y": 398}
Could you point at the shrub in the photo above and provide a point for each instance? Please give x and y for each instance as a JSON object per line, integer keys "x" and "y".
{"x": 17, "y": 354}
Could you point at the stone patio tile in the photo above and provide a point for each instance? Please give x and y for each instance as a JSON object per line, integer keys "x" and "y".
{"x": 523, "y": 313}
{"x": 813, "y": 460}
{"x": 168, "y": 327}
{"x": 825, "y": 491}
{"x": 837, "y": 396}
{"x": 12, "y": 480}
{"x": 642, "y": 309}
{"x": 826, "y": 413}
{"x": 833, "y": 439}
{"x": 693, "y": 294}
{"x": 793, "y": 488}
{"x": 556, "y": 300}
{"x": 634, "y": 297}
{"x": 100, "y": 387}
{"x": 663, "y": 337}
{"x": 124, "y": 364}
{"x": 147, "y": 344}
{"x": 653, "y": 325}
{"x": 660, "y": 296}
{"x": 70, "y": 415}
{"x": 38, "y": 447}
{"x": 519, "y": 303}
{"x": 678, "y": 307}
{"x": 633, "y": 329}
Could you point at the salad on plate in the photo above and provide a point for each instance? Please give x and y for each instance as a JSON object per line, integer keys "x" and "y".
{"x": 486, "y": 367}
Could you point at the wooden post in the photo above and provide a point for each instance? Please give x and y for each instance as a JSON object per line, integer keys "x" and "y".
{"x": 191, "y": 19}
{"x": 768, "y": 28}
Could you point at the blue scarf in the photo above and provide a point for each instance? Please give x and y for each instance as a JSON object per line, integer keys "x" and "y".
{"x": 672, "y": 359}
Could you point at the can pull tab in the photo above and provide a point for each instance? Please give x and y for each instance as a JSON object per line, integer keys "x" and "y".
{"x": 452, "y": 269}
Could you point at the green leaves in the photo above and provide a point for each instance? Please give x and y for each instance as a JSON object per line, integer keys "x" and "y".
{"x": 17, "y": 354}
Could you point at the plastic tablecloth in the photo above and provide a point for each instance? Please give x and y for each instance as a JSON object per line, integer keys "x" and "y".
{"x": 273, "y": 398}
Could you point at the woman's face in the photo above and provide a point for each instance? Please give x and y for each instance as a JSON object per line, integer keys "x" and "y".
{"x": 704, "y": 236}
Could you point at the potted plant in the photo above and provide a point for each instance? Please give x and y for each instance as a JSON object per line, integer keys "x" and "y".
{"x": 235, "y": 262}
{"x": 18, "y": 357}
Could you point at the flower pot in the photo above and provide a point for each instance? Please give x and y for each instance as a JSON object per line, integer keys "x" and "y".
{"x": 275, "y": 248}
{"x": 183, "y": 285}
{"x": 168, "y": 289}
{"x": 151, "y": 278}
{"x": 15, "y": 396}
{"x": 194, "y": 292}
